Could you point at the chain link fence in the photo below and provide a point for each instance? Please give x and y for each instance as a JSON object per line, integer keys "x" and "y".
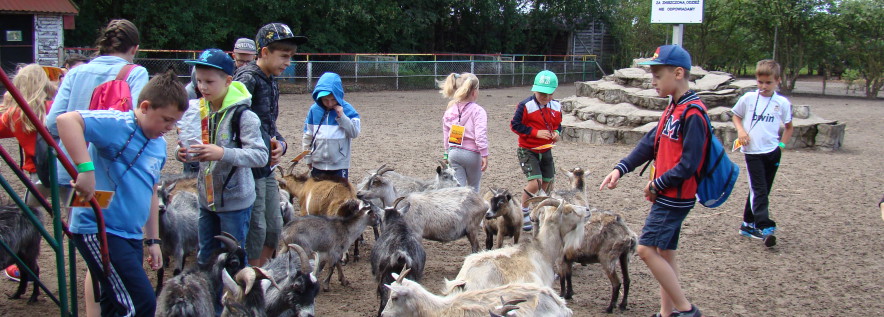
{"x": 367, "y": 72}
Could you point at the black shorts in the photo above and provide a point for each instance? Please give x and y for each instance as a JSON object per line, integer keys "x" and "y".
{"x": 662, "y": 227}
{"x": 537, "y": 165}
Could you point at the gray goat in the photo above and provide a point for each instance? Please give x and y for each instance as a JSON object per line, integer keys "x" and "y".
{"x": 386, "y": 185}
{"x": 503, "y": 218}
{"x": 22, "y": 237}
{"x": 244, "y": 295}
{"x": 396, "y": 249}
{"x": 329, "y": 236}
{"x": 179, "y": 222}
{"x": 606, "y": 240}
{"x": 194, "y": 291}
{"x": 298, "y": 286}
{"x": 446, "y": 214}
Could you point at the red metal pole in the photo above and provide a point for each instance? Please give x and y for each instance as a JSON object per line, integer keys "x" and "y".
{"x": 68, "y": 166}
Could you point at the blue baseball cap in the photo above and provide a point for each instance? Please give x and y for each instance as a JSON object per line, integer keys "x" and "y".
{"x": 672, "y": 55}
{"x": 215, "y": 58}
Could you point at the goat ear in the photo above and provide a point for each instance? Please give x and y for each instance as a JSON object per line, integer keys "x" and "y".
{"x": 439, "y": 170}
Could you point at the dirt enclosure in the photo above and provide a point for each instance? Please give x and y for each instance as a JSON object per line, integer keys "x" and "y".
{"x": 828, "y": 261}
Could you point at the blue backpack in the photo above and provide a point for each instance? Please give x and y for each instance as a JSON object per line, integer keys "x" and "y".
{"x": 717, "y": 176}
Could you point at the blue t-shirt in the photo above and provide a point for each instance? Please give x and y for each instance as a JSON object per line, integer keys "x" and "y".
{"x": 109, "y": 131}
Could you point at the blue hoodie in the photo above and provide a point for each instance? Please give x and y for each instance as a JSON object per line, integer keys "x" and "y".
{"x": 327, "y": 134}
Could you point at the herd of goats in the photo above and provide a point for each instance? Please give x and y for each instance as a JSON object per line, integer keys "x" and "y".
{"x": 514, "y": 280}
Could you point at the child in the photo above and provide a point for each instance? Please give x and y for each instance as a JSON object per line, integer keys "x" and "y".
{"x": 225, "y": 179}
{"x": 34, "y": 85}
{"x": 126, "y": 155}
{"x": 330, "y": 125}
{"x": 244, "y": 51}
{"x": 761, "y": 145}
{"x": 677, "y": 149}
{"x": 276, "y": 47}
{"x": 537, "y": 121}
{"x": 467, "y": 154}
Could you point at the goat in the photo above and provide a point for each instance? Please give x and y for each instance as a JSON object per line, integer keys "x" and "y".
{"x": 298, "y": 286}
{"x": 408, "y": 298}
{"x": 178, "y": 223}
{"x": 241, "y": 297}
{"x": 286, "y": 208}
{"x": 23, "y": 239}
{"x": 525, "y": 263}
{"x": 446, "y": 214}
{"x": 503, "y": 218}
{"x": 606, "y": 240}
{"x": 386, "y": 185}
{"x": 576, "y": 194}
{"x": 316, "y": 197}
{"x": 194, "y": 291}
{"x": 396, "y": 249}
{"x": 329, "y": 236}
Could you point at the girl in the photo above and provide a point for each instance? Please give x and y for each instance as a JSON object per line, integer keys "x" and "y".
{"x": 32, "y": 82}
{"x": 117, "y": 45}
{"x": 464, "y": 129}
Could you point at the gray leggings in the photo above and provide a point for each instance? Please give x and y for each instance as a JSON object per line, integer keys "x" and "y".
{"x": 467, "y": 167}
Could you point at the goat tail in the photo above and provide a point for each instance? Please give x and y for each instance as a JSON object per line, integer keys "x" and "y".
{"x": 400, "y": 259}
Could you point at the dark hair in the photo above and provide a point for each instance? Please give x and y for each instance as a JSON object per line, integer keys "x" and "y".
{"x": 118, "y": 37}
{"x": 164, "y": 90}
{"x": 220, "y": 72}
{"x": 74, "y": 59}
{"x": 281, "y": 46}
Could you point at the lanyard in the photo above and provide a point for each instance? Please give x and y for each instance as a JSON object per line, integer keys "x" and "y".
{"x": 316, "y": 131}
{"x": 543, "y": 116}
{"x": 120, "y": 154}
{"x": 459, "y": 111}
{"x": 755, "y": 108}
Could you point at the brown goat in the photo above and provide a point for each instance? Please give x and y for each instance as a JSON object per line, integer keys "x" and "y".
{"x": 317, "y": 197}
{"x": 503, "y": 218}
{"x": 606, "y": 240}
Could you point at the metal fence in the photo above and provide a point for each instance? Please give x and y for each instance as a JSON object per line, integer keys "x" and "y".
{"x": 399, "y": 71}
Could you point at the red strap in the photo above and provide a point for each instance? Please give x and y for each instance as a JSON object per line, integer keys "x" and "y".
{"x": 124, "y": 72}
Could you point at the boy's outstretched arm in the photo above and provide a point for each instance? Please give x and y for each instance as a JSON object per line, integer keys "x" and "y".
{"x": 643, "y": 152}
{"x": 70, "y": 129}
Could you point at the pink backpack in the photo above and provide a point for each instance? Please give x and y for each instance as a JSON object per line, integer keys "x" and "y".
{"x": 115, "y": 94}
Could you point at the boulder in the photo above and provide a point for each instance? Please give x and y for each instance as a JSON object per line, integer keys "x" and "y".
{"x": 830, "y": 136}
{"x": 801, "y": 112}
{"x": 711, "y": 82}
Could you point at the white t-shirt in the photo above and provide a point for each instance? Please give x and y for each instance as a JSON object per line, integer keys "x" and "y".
{"x": 762, "y": 117}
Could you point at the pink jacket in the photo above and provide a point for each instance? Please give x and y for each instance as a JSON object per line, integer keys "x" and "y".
{"x": 475, "y": 121}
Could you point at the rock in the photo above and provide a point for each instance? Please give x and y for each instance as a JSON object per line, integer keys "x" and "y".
{"x": 720, "y": 114}
{"x": 830, "y": 136}
{"x": 711, "y": 82}
{"x": 648, "y": 99}
{"x": 742, "y": 86}
{"x": 636, "y": 61}
{"x": 801, "y": 112}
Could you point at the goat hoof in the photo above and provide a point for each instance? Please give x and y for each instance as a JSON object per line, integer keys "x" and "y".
{"x": 609, "y": 310}
{"x": 32, "y": 301}
{"x": 14, "y": 296}
{"x": 623, "y": 307}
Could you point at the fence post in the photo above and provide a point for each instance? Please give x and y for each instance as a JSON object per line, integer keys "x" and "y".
{"x": 435, "y": 67}
{"x": 472, "y": 65}
{"x": 498, "y": 71}
{"x": 396, "y": 67}
{"x": 356, "y": 67}
{"x": 309, "y": 76}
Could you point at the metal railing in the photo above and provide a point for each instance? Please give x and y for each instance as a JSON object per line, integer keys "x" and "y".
{"x": 398, "y": 71}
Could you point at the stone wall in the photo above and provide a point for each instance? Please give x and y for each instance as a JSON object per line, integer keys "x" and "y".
{"x": 48, "y": 37}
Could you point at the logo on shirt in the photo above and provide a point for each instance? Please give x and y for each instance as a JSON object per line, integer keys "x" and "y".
{"x": 671, "y": 128}
{"x": 763, "y": 118}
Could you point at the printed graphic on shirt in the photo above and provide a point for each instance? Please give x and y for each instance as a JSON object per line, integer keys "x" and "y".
{"x": 672, "y": 128}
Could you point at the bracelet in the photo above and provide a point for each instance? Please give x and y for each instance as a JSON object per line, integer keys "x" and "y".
{"x": 150, "y": 242}
{"x": 445, "y": 156}
{"x": 85, "y": 167}
{"x": 782, "y": 145}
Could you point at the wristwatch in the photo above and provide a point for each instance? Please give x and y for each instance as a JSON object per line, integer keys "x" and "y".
{"x": 652, "y": 188}
{"x": 150, "y": 242}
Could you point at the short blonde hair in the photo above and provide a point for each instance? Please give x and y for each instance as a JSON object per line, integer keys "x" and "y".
{"x": 458, "y": 87}
{"x": 767, "y": 67}
{"x": 34, "y": 85}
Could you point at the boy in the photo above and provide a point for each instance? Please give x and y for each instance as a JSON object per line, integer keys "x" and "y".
{"x": 677, "y": 149}
{"x": 537, "y": 121}
{"x": 225, "y": 179}
{"x": 126, "y": 157}
{"x": 761, "y": 146}
{"x": 244, "y": 52}
{"x": 330, "y": 125}
{"x": 276, "y": 46}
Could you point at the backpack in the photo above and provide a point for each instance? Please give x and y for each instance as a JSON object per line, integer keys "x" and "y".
{"x": 114, "y": 94}
{"x": 42, "y": 161}
{"x": 717, "y": 176}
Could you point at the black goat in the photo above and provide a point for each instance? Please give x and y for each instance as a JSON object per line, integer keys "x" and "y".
{"x": 22, "y": 237}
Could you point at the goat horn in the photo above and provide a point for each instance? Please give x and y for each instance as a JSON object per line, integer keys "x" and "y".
{"x": 228, "y": 240}
{"x": 512, "y": 301}
{"x": 396, "y": 202}
{"x": 230, "y": 284}
{"x": 536, "y": 199}
{"x": 265, "y": 274}
{"x": 549, "y": 202}
{"x": 383, "y": 169}
{"x": 443, "y": 164}
{"x": 402, "y": 275}
{"x": 305, "y": 262}
{"x": 246, "y": 277}
{"x": 292, "y": 168}
{"x": 280, "y": 171}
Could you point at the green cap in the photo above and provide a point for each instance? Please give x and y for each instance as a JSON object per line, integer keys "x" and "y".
{"x": 545, "y": 82}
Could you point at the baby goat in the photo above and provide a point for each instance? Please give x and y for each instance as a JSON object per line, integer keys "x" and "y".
{"x": 503, "y": 218}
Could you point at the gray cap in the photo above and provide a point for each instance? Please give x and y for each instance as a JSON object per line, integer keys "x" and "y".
{"x": 244, "y": 45}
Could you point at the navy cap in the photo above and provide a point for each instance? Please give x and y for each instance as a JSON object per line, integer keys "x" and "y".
{"x": 215, "y": 58}
{"x": 277, "y": 32}
{"x": 672, "y": 55}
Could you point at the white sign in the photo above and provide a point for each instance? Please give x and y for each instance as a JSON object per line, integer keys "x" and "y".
{"x": 677, "y": 11}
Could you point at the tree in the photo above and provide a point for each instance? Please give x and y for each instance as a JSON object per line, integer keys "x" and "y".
{"x": 860, "y": 28}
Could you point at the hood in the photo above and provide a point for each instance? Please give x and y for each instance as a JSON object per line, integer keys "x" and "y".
{"x": 329, "y": 82}
{"x": 236, "y": 94}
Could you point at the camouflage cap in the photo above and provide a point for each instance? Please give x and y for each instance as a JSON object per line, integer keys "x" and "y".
{"x": 277, "y": 32}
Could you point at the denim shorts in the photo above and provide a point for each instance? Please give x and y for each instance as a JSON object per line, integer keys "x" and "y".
{"x": 662, "y": 227}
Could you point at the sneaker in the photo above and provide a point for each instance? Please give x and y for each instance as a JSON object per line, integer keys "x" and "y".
{"x": 527, "y": 225}
{"x": 750, "y": 232}
{"x": 12, "y": 273}
{"x": 694, "y": 312}
{"x": 768, "y": 236}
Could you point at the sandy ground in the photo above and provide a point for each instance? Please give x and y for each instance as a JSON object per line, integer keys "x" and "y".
{"x": 827, "y": 261}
